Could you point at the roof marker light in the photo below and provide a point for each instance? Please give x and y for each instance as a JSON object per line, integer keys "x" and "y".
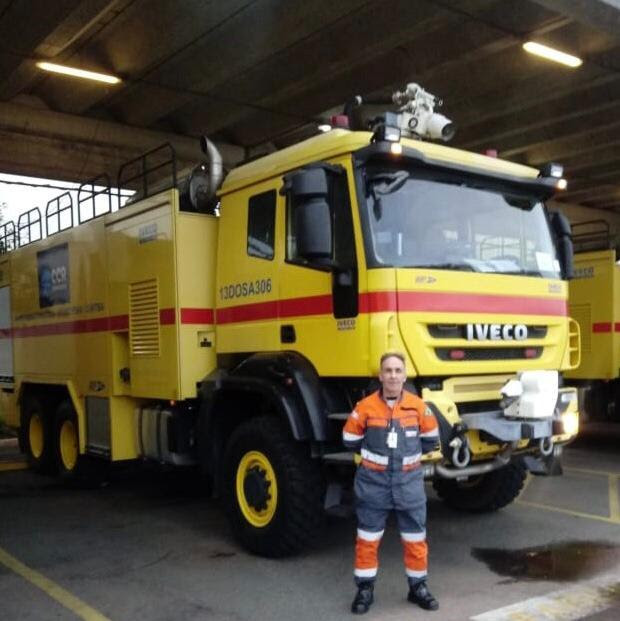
{"x": 324, "y": 127}
{"x": 551, "y": 54}
{"x": 78, "y": 73}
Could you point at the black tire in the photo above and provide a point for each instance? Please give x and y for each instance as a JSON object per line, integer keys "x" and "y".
{"x": 293, "y": 519}
{"x": 77, "y": 470}
{"x": 486, "y": 492}
{"x": 36, "y": 435}
{"x": 66, "y": 441}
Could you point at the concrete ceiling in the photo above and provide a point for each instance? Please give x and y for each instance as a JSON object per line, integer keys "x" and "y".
{"x": 256, "y": 74}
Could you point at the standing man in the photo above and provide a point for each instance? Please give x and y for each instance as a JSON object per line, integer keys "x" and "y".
{"x": 391, "y": 429}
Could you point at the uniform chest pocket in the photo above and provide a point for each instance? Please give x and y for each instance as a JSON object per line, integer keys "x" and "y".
{"x": 376, "y": 438}
{"x": 411, "y": 432}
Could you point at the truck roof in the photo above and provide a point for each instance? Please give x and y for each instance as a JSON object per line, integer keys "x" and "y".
{"x": 339, "y": 141}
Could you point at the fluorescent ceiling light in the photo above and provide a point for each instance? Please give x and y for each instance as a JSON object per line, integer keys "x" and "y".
{"x": 78, "y": 73}
{"x": 551, "y": 54}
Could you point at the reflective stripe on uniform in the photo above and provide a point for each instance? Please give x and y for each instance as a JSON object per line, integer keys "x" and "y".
{"x": 367, "y": 535}
{"x": 413, "y": 573}
{"x": 382, "y": 460}
{"x": 430, "y": 434}
{"x": 411, "y": 433}
{"x": 365, "y": 573}
{"x": 347, "y": 436}
{"x": 413, "y": 537}
{"x": 411, "y": 459}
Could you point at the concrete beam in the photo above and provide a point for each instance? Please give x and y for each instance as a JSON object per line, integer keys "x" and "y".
{"x": 72, "y": 148}
{"x": 600, "y": 14}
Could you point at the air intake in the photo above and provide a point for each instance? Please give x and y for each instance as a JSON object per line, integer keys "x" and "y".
{"x": 144, "y": 319}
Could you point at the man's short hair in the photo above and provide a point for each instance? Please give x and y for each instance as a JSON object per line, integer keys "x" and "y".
{"x": 392, "y": 354}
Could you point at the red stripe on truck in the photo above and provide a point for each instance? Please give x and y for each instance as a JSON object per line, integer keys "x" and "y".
{"x": 601, "y": 327}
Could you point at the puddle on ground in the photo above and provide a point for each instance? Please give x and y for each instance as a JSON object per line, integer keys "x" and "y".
{"x": 562, "y": 561}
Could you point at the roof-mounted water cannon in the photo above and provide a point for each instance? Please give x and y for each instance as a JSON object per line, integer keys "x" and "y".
{"x": 417, "y": 116}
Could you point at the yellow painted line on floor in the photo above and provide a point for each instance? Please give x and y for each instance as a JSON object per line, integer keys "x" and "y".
{"x": 53, "y": 590}
{"x": 600, "y": 473}
{"x": 577, "y": 602}
{"x": 579, "y": 514}
{"x": 614, "y": 498}
{"x": 6, "y": 466}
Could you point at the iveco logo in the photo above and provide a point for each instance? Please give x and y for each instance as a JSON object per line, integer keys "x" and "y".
{"x": 496, "y": 332}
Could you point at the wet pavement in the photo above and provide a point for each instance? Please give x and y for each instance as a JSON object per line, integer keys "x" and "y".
{"x": 152, "y": 545}
{"x": 564, "y": 561}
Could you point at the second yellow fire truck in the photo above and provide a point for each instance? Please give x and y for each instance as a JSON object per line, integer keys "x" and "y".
{"x": 594, "y": 301}
{"x": 235, "y": 331}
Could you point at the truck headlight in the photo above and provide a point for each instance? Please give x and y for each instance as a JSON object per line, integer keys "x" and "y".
{"x": 570, "y": 422}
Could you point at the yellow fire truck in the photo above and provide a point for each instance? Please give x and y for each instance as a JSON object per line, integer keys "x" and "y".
{"x": 594, "y": 301}
{"x": 234, "y": 331}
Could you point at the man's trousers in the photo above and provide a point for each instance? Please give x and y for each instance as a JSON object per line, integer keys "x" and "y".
{"x": 370, "y": 528}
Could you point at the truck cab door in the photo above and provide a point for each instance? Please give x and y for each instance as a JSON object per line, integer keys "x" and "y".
{"x": 319, "y": 291}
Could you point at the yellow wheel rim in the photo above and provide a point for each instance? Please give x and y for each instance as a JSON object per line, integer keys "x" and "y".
{"x": 68, "y": 445}
{"x": 257, "y": 489}
{"x": 36, "y": 436}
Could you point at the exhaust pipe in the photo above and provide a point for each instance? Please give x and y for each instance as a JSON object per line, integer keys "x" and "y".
{"x": 216, "y": 167}
{"x": 205, "y": 180}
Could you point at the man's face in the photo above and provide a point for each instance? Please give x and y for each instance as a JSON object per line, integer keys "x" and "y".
{"x": 392, "y": 376}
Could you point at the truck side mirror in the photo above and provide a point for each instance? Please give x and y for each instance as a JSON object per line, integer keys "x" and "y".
{"x": 562, "y": 232}
{"x": 308, "y": 190}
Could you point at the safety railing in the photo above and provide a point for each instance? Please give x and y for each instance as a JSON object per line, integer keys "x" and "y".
{"x": 96, "y": 202}
{"x": 29, "y": 227}
{"x": 146, "y": 174}
{"x": 592, "y": 235}
{"x": 59, "y": 214}
{"x": 8, "y": 239}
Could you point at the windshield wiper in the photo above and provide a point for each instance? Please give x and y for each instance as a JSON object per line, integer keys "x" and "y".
{"x": 393, "y": 181}
{"x": 462, "y": 267}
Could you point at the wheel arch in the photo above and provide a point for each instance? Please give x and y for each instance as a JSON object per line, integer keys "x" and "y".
{"x": 281, "y": 384}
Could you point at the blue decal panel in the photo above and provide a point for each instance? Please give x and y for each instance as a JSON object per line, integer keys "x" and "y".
{"x": 53, "y": 271}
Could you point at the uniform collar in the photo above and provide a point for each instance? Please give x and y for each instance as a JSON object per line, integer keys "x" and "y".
{"x": 398, "y": 399}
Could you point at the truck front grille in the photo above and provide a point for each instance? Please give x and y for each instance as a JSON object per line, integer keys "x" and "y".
{"x": 488, "y": 353}
{"x": 459, "y": 331}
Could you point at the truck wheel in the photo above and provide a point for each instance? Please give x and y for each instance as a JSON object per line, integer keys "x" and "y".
{"x": 487, "y": 492}
{"x": 272, "y": 489}
{"x": 37, "y": 435}
{"x": 66, "y": 440}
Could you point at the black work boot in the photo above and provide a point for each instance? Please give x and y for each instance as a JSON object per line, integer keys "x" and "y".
{"x": 363, "y": 598}
{"x": 420, "y": 595}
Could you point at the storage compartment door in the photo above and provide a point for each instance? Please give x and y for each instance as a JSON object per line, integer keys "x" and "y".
{"x": 6, "y": 335}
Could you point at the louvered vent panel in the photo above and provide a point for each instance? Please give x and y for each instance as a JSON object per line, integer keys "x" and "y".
{"x": 144, "y": 318}
{"x": 581, "y": 314}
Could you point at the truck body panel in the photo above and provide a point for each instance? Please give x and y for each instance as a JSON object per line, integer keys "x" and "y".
{"x": 595, "y": 304}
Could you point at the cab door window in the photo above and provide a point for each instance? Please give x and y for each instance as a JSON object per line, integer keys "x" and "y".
{"x": 262, "y": 225}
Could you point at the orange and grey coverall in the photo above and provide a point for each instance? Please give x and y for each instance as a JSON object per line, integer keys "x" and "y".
{"x": 390, "y": 478}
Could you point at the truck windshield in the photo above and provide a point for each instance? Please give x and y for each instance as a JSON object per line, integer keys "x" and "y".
{"x": 421, "y": 218}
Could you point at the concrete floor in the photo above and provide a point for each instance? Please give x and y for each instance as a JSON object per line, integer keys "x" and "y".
{"x": 150, "y": 546}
